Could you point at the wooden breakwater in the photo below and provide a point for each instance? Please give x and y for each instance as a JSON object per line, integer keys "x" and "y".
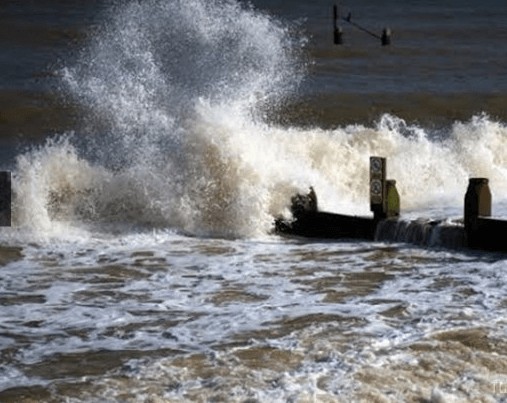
{"x": 477, "y": 229}
{"x": 309, "y": 221}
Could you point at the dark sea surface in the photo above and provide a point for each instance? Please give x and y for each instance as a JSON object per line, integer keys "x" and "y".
{"x": 152, "y": 144}
{"x": 446, "y": 62}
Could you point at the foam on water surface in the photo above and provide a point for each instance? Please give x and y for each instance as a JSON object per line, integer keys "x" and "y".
{"x": 295, "y": 320}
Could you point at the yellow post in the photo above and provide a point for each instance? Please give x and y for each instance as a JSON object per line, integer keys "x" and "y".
{"x": 392, "y": 199}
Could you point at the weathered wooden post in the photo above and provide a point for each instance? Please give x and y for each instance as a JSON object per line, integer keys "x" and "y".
{"x": 384, "y": 197}
{"x": 338, "y": 32}
{"x": 338, "y": 36}
{"x": 477, "y": 199}
{"x": 385, "y": 39}
{"x": 5, "y": 198}
{"x": 477, "y": 204}
{"x": 377, "y": 187}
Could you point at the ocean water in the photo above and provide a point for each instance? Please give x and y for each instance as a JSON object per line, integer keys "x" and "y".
{"x": 153, "y": 143}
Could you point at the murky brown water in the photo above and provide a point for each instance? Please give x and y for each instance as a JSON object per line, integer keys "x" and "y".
{"x": 318, "y": 322}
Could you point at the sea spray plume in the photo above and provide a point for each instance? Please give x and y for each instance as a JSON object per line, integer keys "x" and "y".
{"x": 146, "y": 69}
{"x": 175, "y": 86}
{"x": 435, "y": 170}
{"x": 429, "y": 170}
{"x": 480, "y": 144}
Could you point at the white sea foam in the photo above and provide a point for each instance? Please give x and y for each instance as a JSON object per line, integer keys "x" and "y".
{"x": 239, "y": 174}
{"x": 164, "y": 293}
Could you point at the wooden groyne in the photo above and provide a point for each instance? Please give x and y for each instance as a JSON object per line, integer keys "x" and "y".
{"x": 477, "y": 229}
{"x": 309, "y": 221}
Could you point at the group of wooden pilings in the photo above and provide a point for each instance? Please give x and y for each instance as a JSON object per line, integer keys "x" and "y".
{"x": 478, "y": 230}
{"x": 385, "y": 37}
{"x": 481, "y": 231}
